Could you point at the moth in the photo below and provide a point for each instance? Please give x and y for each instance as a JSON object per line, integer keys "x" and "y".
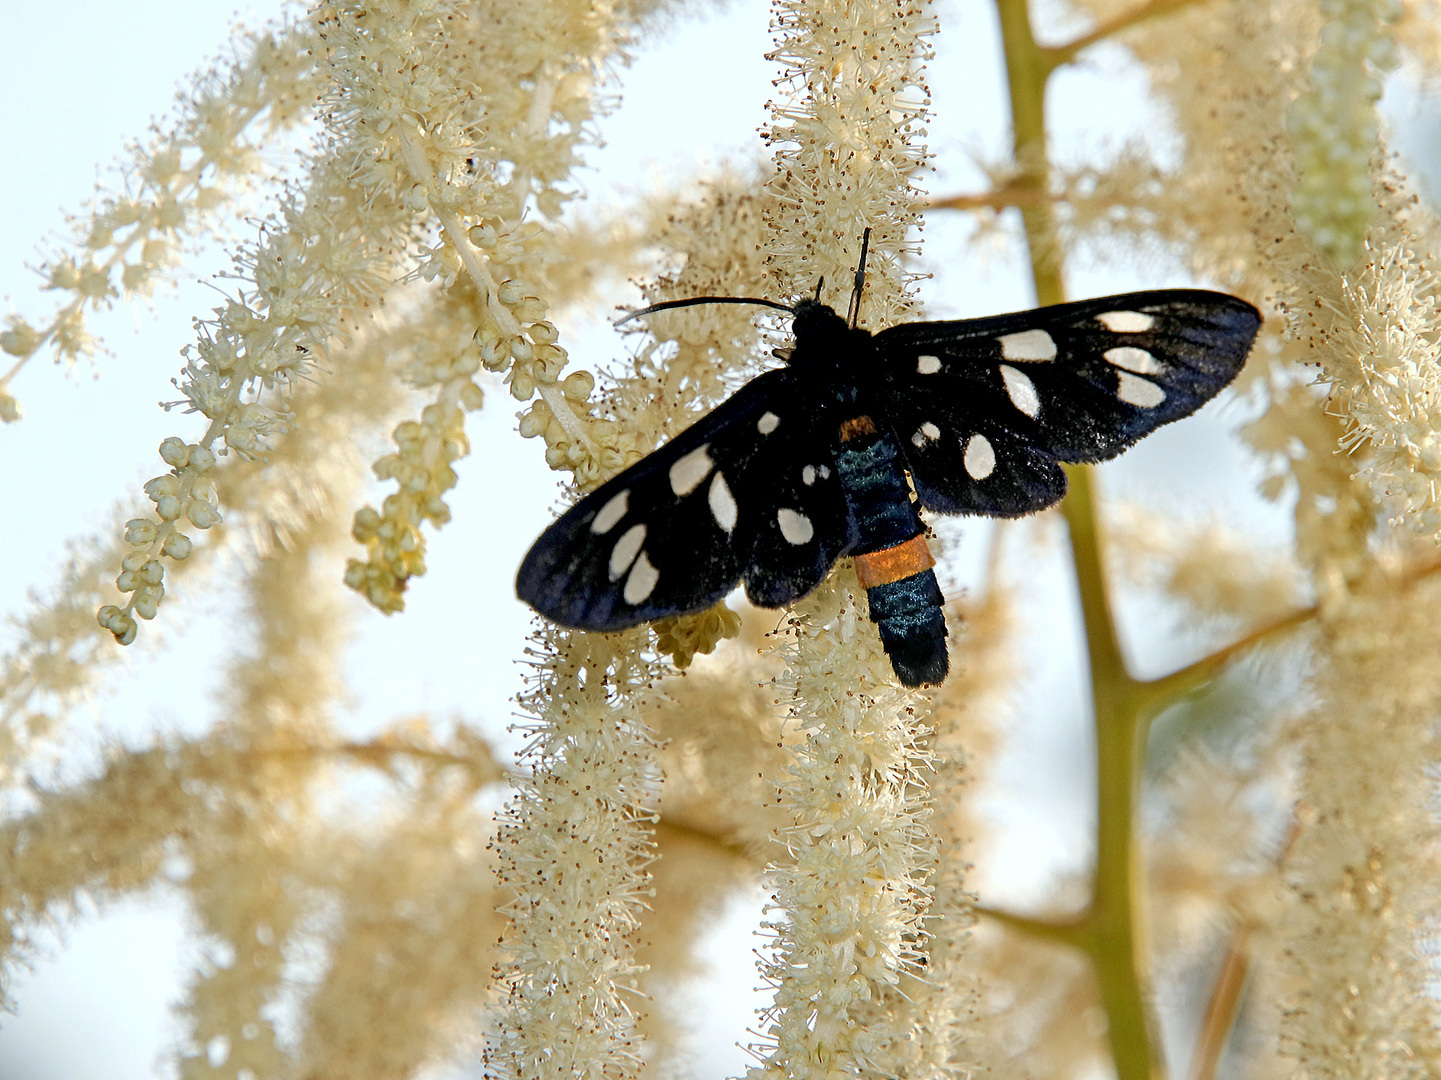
{"x": 834, "y": 454}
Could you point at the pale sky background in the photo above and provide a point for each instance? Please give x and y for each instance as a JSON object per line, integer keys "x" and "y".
{"x": 81, "y": 78}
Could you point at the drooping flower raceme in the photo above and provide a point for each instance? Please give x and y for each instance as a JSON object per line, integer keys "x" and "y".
{"x": 850, "y": 908}
{"x": 479, "y": 120}
{"x": 170, "y": 190}
{"x": 1334, "y": 127}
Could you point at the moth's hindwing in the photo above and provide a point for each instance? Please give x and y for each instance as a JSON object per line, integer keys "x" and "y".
{"x": 986, "y": 407}
{"x": 748, "y": 491}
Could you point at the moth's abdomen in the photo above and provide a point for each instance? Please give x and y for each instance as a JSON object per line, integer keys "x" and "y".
{"x": 892, "y": 559}
{"x": 908, "y": 615}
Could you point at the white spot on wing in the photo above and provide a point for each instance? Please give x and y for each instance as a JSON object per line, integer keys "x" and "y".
{"x": 925, "y": 433}
{"x": 610, "y": 513}
{"x": 795, "y": 527}
{"x": 1021, "y": 390}
{"x": 1028, "y": 345}
{"x": 1126, "y": 322}
{"x": 767, "y": 423}
{"x": 722, "y": 503}
{"x": 1133, "y": 359}
{"x": 808, "y": 475}
{"x": 825, "y": 472}
{"x": 928, "y": 365}
{"x": 687, "y": 473}
{"x": 625, "y": 551}
{"x": 641, "y": 581}
{"x": 1142, "y": 393}
{"x": 980, "y": 458}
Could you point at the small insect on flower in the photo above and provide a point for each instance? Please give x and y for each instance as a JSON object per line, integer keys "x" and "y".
{"x": 819, "y": 459}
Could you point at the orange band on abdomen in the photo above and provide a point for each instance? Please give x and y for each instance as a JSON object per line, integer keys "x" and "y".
{"x": 857, "y": 426}
{"x": 894, "y": 563}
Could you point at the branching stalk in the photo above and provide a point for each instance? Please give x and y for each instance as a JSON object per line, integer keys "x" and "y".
{"x": 1112, "y": 931}
{"x": 1156, "y": 694}
{"x": 1063, "y": 54}
{"x": 1071, "y": 932}
{"x": 1008, "y": 196}
{"x": 1114, "y": 935}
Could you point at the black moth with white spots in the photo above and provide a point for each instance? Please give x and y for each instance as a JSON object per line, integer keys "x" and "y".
{"x": 811, "y": 462}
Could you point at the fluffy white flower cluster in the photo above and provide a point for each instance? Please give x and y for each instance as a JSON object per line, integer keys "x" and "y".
{"x": 1392, "y": 395}
{"x": 848, "y": 154}
{"x": 1334, "y": 127}
{"x": 446, "y": 168}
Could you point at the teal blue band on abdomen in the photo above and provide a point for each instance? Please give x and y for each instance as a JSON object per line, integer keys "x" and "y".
{"x": 912, "y": 627}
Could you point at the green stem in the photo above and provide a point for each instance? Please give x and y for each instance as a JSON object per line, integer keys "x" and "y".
{"x": 1027, "y": 69}
{"x": 1112, "y": 932}
{"x": 1116, "y": 920}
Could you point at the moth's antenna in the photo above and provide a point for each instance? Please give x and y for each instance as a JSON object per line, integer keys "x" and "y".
{"x": 855, "y": 310}
{"x": 821, "y": 284}
{"x": 666, "y": 305}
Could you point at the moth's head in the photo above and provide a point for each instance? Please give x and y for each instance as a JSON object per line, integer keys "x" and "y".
{"x": 817, "y": 324}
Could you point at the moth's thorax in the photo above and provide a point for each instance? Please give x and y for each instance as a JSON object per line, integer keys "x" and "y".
{"x": 833, "y": 357}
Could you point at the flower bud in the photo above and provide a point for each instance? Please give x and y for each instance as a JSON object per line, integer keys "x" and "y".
{"x": 203, "y": 516}
{"x": 174, "y": 452}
